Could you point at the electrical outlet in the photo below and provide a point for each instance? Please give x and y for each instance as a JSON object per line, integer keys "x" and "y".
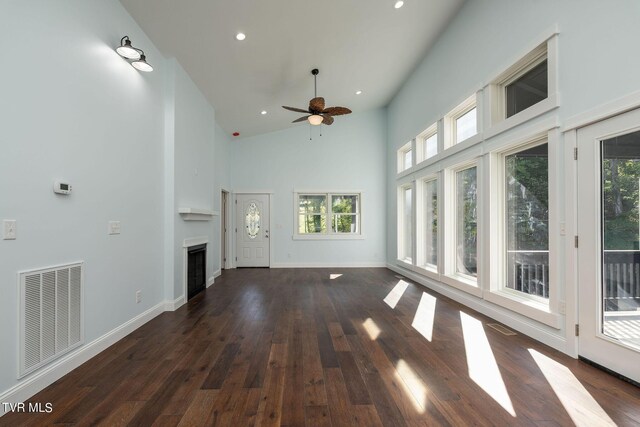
{"x": 114, "y": 227}
{"x": 10, "y": 229}
{"x": 138, "y": 297}
{"x": 562, "y": 307}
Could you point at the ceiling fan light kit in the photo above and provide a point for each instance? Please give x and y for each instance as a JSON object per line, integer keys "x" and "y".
{"x": 317, "y": 114}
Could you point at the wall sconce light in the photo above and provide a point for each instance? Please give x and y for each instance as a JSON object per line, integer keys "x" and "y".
{"x": 136, "y": 56}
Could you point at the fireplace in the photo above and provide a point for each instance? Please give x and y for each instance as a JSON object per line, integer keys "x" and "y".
{"x": 196, "y": 270}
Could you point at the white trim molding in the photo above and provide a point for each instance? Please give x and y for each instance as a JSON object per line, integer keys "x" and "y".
{"x": 524, "y": 325}
{"x": 42, "y": 378}
{"x": 367, "y": 264}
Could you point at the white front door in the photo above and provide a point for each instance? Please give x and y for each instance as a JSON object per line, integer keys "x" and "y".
{"x": 252, "y": 230}
{"x": 609, "y": 243}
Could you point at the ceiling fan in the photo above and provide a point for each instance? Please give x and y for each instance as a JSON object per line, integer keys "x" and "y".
{"x": 316, "y": 113}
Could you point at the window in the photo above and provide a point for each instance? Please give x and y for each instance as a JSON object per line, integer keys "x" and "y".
{"x": 428, "y": 143}
{"x": 405, "y": 157}
{"x": 526, "y": 210}
{"x": 430, "y": 225}
{"x": 466, "y": 230}
{"x": 462, "y": 122}
{"x": 466, "y": 125}
{"x": 526, "y": 90}
{"x": 405, "y": 224}
{"x": 530, "y": 84}
{"x": 328, "y": 214}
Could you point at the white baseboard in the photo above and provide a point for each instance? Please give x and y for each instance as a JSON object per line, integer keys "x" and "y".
{"x": 48, "y": 375}
{"x": 525, "y": 326}
{"x": 212, "y": 279}
{"x": 175, "y": 304}
{"x": 328, "y": 265}
{"x": 217, "y": 273}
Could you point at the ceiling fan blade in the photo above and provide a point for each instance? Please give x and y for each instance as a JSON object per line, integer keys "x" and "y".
{"x": 316, "y": 104}
{"x": 327, "y": 119}
{"x": 297, "y": 110}
{"x": 301, "y": 119}
{"x": 337, "y": 111}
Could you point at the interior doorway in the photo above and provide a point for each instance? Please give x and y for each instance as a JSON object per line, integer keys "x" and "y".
{"x": 224, "y": 205}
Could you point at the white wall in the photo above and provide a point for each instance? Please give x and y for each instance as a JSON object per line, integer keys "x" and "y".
{"x": 222, "y": 180}
{"x": 73, "y": 109}
{"x": 350, "y": 156}
{"x": 194, "y": 187}
{"x": 134, "y": 146}
{"x": 596, "y": 65}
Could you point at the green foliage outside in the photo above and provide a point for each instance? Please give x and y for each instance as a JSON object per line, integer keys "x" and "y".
{"x": 313, "y": 214}
{"x": 527, "y": 192}
{"x": 620, "y": 203}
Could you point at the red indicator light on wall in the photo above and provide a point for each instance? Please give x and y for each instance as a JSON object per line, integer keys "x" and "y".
{"x": 236, "y": 134}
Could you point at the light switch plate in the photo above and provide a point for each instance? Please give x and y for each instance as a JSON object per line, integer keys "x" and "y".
{"x": 10, "y": 229}
{"x": 114, "y": 227}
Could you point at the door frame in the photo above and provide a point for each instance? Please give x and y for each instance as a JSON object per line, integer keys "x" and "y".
{"x": 235, "y": 225}
{"x": 225, "y": 226}
{"x": 595, "y": 345}
{"x": 569, "y": 224}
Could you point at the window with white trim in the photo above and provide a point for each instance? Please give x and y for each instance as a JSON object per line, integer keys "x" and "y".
{"x": 427, "y": 143}
{"x": 461, "y": 122}
{"x": 525, "y": 206}
{"x": 328, "y": 214}
{"x": 429, "y": 237}
{"x": 529, "y": 85}
{"x": 405, "y": 223}
{"x": 466, "y": 222}
{"x": 405, "y": 157}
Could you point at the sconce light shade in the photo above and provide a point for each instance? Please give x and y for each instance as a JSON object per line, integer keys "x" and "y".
{"x": 315, "y": 119}
{"x": 126, "y": 50}
{"x": 142, "y": 64}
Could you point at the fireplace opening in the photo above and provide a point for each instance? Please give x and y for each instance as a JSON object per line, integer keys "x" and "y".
{"x": 196, "y": 270}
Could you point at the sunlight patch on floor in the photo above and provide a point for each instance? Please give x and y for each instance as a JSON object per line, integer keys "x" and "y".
{"x": 579, "y": 404}
{"x": 396, "y": 293}
{"x": 483, "y": 368}
{"x": 425, "y": 315}
{"x": 334, "y": 276}
{"x": 371, "y": 328}
{"x": 412, "y": 385}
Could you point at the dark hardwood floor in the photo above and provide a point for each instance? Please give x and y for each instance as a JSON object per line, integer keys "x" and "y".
{"x": 297, "y": 347}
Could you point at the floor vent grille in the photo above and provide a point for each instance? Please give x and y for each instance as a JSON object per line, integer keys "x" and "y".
{"x": 50, "y": 314}
{"x": 502, "y": 329}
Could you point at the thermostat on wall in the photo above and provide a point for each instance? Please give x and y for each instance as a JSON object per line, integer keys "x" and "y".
{"x": 61, "y": 188}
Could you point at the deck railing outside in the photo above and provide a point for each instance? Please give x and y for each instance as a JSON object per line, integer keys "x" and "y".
{"x": 528, "y": 272}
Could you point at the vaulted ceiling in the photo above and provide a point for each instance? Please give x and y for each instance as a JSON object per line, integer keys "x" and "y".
{"x": 365, "y": 45}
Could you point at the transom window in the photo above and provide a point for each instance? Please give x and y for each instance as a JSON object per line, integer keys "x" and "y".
{"x": 427, "y": 144}
{"x": 527, "y": 89}
{"x": 405, "y": 157}
{"x": 461, "y": 123}
{"x": 328, "y": 213}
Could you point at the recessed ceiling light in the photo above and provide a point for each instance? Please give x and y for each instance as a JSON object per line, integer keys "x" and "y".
{"x": 399, "y": 4}
{"x": 240, "y": 36}
{"x": 358, "y": 92}
{"x": 263, "y": 112}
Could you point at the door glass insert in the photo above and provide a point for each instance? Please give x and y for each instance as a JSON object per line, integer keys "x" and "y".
{"x": 252, "y": 220}
{"x": 620, "y": 291}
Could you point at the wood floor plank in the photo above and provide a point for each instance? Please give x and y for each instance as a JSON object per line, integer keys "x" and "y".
{"x": 294, "y": 347}
{"x": 270, "y": 407}
{"x": 317, "y": 416}
{"x": 199, "y": 409}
